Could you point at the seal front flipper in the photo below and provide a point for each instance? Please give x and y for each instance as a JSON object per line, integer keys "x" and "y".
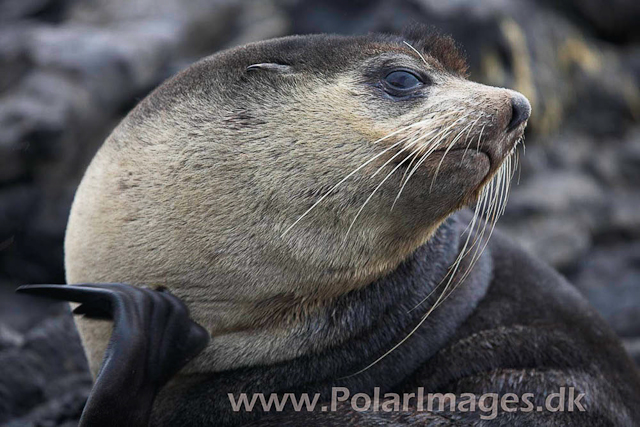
{"x": 153, "y": 338}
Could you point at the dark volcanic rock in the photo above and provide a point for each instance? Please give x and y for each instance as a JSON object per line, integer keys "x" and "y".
{"x": 617, "y": 20}
{"x": 51, "y": 10}
{"x": 43, "y": 371}
{"x": 609, "y": 277}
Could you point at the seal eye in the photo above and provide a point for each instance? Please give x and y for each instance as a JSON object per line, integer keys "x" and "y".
{"x": 402, "y": 81}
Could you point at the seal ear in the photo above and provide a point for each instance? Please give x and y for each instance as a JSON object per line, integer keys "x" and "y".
{"x": 270, "y": 66}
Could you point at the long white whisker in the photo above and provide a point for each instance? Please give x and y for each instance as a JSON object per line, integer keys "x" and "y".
{"x": 445, "y": 155}
{"x": 411, "y": 144}
{"x": 467, "y": 137}
{"x": 424, "y": 157}
{"x": 372, "y": 193}
{"x": 349, "y": 176}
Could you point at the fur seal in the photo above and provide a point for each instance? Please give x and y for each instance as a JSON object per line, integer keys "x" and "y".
{"x": 299, "y": 196}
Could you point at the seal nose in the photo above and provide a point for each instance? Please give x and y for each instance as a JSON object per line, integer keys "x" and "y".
{"x": 520, "y": 110}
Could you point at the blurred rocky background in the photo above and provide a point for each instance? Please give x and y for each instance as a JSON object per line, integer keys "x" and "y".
{"x": 71, "y": 69}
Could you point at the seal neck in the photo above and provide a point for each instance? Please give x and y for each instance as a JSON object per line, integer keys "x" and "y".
{"x": 364, "y": 325}
{"x": 340, "y": 340}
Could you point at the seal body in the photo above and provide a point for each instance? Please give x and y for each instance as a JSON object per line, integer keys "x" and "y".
{"x": 515, "y": 326}
{"x": 294, "y": 194}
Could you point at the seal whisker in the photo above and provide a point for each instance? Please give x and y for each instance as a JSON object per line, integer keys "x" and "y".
{"x": 412, "y": 143}
{"x": 480, "y": 138}
{"x": 415, "y": 168}
{"x": 445, "y": 155}
{"x": 493, "y": 211}
{"x": 372, "y": 194}
{"x": 430, "y": 148}
{"x": 346, "y": 178}
{"x": 490, "y": 199}
{"x": 427, "y": 145}
{"x": 481, "y": 204}
{"x": 467, "y": 137}
{"x": 416, "y": 156}
{"x": 402, "y": 129}
{"x": 429, "y": 151}
{"x": 493, "y": 196}
{"x": 458, "y": 260}
{"x": 518, "y": 166}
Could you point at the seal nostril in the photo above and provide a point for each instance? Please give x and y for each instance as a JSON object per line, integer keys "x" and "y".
{"x": 520, "y": 111}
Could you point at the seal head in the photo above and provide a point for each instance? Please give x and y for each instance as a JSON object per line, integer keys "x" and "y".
{"x": 268, "y": 179}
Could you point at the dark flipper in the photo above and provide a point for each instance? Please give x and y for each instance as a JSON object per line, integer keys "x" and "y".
{"x": 153, "y": 338}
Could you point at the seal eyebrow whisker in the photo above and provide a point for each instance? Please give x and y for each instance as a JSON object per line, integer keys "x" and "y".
{"x": 270, "y": 66}
{"x": 416, "y": 51}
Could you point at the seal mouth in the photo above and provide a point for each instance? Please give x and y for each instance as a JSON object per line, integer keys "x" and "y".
{"x": 471, "y": 150}
{"x": 498, "y": 149}
{"x": 495, "y": 149}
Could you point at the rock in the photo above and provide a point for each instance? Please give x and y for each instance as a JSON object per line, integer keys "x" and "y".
{"x": 11, "y": 10}
{"x": 622, "y": 222}
{"x": 617, "y": 21}
{"x": 559, "y": 240}
{"x": 13, "y": 60}
{"x": 111, "y": 63}
{"x": 617, "y": 163}
{"x": 633, "y": 348}
{"x": 556, "y": 192}
{"x": 569, "y": 150}
{"x": 629, "y": 160}
{"x": 21, "y": 313}
{"x": 18, "y": 203}
{"x": 609, "y": 278}
{"x": 199, "y": 25}
{"x": 9, "y": 337}
{"x": 38, "y": 372}
{"x": 64, "y": 410}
